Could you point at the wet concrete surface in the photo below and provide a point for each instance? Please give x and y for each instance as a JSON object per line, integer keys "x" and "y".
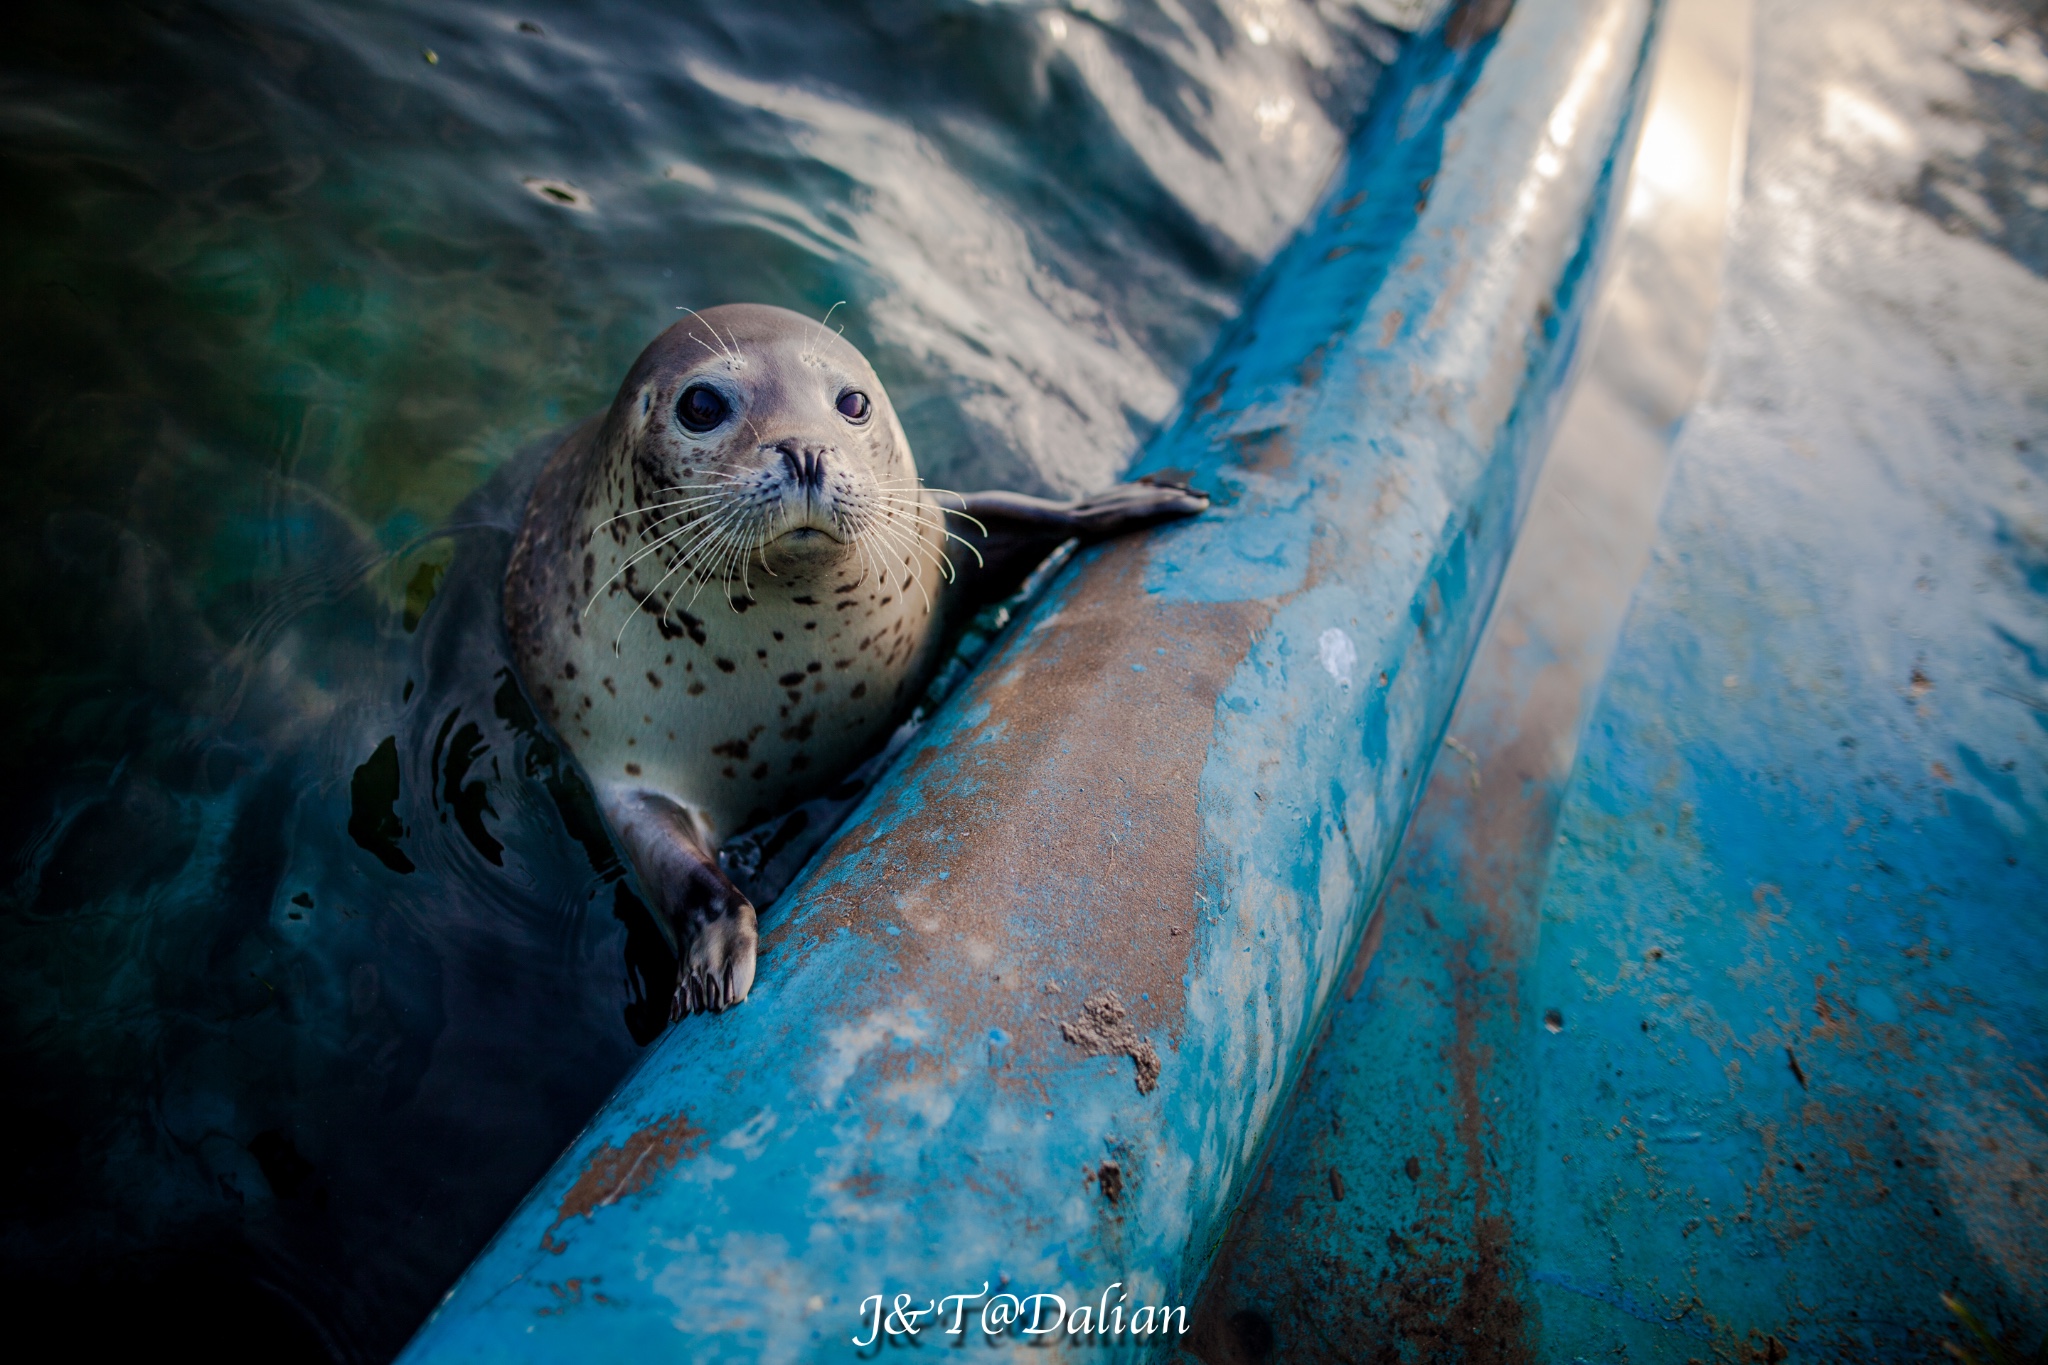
{"x": 1714, "y": 1029}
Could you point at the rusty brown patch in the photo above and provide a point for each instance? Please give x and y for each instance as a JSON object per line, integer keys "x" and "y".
{"x": 1063, "y": 825}
{"x": 614, "y": 1173}
{"x": 1368, "y": 949}
{"x": 1100, "y": 1031}
{"x": 1267, "y": 450}
{"x": 569, "y": 1294}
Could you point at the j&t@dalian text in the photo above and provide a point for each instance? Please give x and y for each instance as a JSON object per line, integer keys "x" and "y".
{"x": 1111, "y": 1316}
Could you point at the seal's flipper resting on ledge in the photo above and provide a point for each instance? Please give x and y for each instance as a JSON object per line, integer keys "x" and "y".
{"x": 1011, "y": 532}
{"x": 712, "y": 923}
{"x": 728, "y": 591}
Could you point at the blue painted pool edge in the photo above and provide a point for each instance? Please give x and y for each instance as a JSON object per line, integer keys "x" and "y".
{"x": 1030, "y": 1019}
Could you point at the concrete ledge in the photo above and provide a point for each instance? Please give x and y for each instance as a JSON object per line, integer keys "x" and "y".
{"x": 1030, "y": 1018}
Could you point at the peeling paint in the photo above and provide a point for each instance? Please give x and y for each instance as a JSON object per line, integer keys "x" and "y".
{"x": 614, "y": 1173}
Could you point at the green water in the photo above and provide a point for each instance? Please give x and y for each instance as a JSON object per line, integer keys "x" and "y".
{"x": 311, "y": 956}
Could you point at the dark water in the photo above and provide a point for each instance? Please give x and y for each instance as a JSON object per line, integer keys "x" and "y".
{"x": 312, "y": 953}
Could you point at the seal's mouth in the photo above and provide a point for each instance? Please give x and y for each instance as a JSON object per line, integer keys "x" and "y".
{"x": 805, "y": 513}
{"x": 800, "y": 537}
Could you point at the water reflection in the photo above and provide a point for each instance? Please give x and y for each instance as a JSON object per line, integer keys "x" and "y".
{"x": 313, "y": 951}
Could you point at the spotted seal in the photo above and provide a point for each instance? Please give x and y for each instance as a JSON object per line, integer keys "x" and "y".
{"x": 730, "y": 586}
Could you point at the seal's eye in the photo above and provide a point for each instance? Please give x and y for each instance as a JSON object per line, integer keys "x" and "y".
{"x": 853, "y": 406}
{"x": 701, "y": 407}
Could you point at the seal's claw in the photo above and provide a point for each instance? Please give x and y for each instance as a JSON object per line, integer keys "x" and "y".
{"x": 717, "y": 969}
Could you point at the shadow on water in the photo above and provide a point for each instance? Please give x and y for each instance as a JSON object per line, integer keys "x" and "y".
{"x": 313, "y": 952}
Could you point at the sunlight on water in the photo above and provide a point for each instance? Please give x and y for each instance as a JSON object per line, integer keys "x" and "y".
{"x": 314, "y": 952}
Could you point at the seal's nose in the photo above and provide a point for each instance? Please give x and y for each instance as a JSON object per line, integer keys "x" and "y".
{"x": 806, "y": 464}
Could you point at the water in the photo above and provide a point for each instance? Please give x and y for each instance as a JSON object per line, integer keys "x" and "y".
{"x": 313, "y": 954}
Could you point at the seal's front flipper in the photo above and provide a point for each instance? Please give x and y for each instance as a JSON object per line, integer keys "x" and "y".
{"x": 1013, "y": 531}
{"x": 711, "y": 922}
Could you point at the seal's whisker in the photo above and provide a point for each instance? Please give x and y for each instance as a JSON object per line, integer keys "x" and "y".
{"x": 712, "y": 547}
{"x": 967, "y": 517}
{"x": 725, "y": 474}
{"x": 715, "y": 553}
{"x": 685, "y": 503}
{"x": 739, "y": 561}
{"x": 918, "y": 579}
{"x": 884, "y": 536}
{"x": 940, "y": 549}
{"x": 726, "y": 551}
{"x": 735, "y": 558}
{"x": 715, "y": 355}
{"x": 708, "y": 535}
{"x": 697, "y": 497}
{"x": 691, "y": 535}
{"x": 972, "y": 548}
{"x": 861, "y": 531}
{"x": 809, "y": 353}
{"x": 923, "y": 513}
{"x": 947, "y": 511}
{"x": 673, "y": 565}
{"x": 746, "y": 584}
{"x": 625, "y": 568}
{"x": 871, "y": 565}
{"x": 738, "y": 535}
{"x": 903, "y": 486}
{"x": 664, "y": 539}
{"x": 730, "y": 357}
{"x": 691, "y": 490}
{"x": 917, "y": 510}
{"x": 900, "y": 539}
{"x": 700, "y": 495}
{"x": 917, "y": 481}
{"x": 686, "y": 554}
{"x": 867, "y": 567}
{"x": 715, "y": 482}
{"x": 733, "y": 553}
{"x": 679, "y": 564}
{"x": 640, "y": 605}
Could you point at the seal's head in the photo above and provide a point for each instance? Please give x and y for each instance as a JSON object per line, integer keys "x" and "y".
{"x": 749, "y": 439}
